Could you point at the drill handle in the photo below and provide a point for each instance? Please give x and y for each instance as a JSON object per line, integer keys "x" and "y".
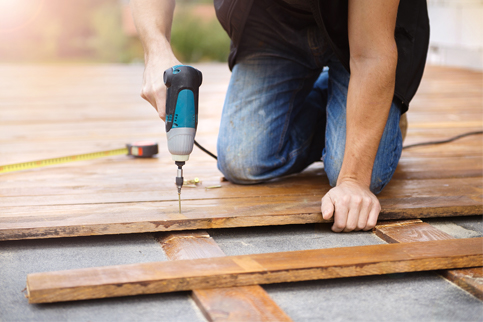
{"x": 183, "y": 83}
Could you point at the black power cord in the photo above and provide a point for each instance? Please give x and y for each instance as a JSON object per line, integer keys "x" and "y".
{"x": 206, "y": 151}
{"x": 404, "y": 147}
{"x": 443, "y": 141}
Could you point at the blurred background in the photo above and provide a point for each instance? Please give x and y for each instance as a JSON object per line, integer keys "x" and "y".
{"x": 100, "y": 31}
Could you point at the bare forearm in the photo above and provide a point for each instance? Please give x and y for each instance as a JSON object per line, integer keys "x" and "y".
{"x": 371, "y": 88}
{"x": 153, "y": 19}
{"x": 369, "y": 98}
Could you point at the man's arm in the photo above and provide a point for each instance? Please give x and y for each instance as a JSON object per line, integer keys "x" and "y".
{"x": 153, "y": 19}
{"x": 373, "y": 63}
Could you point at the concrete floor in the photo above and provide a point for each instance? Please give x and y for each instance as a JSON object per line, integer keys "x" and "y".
{"x": 398, "y": 297}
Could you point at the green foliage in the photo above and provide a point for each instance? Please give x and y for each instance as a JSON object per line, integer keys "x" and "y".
{"x": 195, "y": 39}
{"x": 108, "y": 42}
{"x": 92, "y": 31}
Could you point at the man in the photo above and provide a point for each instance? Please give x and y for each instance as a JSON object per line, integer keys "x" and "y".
{"x": 284, "y": 110}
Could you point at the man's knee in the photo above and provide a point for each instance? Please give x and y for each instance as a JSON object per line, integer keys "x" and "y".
{"x": 238, "y": 167}
{"x": 332, "y": 164}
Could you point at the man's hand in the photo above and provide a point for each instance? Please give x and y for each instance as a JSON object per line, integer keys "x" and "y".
{"x": 353, "y": 206}
{"x": 153, "y": 19}
{"x": 154, "y": 90}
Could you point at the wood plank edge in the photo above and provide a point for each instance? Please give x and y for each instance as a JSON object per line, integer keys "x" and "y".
{"x": 467, "y": 279}
{"x": 251, "y": 303}
{"x": 443, "y": 257}
{"x": 225, "y": 280}
{"x": 224, "y": 222}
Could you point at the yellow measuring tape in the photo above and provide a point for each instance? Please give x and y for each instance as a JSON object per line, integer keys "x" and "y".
{"x": 145, "y": 149}
{"x": 46, "y": 162}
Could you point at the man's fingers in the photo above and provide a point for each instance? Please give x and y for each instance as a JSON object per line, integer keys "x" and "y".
{"x": 353, "y": 207}
{"x": 364, "y": 213}
{"x": 353, "y": 214}
{"x": 157, "y": 98}
{"x": 327, "y": 207}
{"x": 149, "y": 97}
{"x": 341, "y": 206}
{"x": 373, "y": 215}
{"x": 160, "y": 97}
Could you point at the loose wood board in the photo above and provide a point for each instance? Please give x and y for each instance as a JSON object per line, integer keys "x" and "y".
{"x": 409, "y": 231}
{"x": 243, "y": 303}
{"x": 172, "y": 276}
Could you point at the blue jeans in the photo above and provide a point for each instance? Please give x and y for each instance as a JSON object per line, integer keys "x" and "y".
{"x": 284, "y": 110}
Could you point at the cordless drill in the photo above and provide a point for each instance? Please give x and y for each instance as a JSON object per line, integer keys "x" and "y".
{"x": 183, "y": 84}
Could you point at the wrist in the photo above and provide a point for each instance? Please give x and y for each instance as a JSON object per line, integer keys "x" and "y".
{"x": 353, "y": 180}
{"x": 158, "y": 46}
{"x": 360, "y": 175}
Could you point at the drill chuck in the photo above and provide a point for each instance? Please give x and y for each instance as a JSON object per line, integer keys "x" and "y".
{"x": 179, "y": 175}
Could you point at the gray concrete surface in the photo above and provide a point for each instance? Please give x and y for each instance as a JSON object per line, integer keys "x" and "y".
{"x": 398, "y": 297}
{"x": 460, "y": 227}
{"x": 256, "y": 240}
{"x": 19, "y": 258}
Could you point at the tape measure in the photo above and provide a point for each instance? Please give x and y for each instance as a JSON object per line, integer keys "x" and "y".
{"x": 142, "y": 149}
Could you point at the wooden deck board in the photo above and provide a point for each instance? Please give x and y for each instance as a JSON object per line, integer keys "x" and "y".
{"x": 470, "y": 279}
{"x": 244, "y": 303}
{"x": 229, "y": 271}
{"x": 57, "y": 111}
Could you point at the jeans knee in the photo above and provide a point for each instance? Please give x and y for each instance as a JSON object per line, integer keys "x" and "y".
{"x": 377, "y": 184}
{"x": 332, "y": 166}
{"x": 237, "y": 169}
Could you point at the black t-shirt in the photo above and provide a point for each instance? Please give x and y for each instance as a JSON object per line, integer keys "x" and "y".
{"x": 302, "y": 5}
{"x": 411, "y": 34}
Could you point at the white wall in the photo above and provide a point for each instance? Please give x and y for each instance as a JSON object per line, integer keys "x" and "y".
{"x": 456, "y": 33}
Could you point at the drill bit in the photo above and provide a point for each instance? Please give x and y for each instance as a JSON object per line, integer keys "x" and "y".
{"x": 179, "y": 180}
{"x": 179, "y": 200}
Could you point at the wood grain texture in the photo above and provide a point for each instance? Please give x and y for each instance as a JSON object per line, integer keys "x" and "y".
{"x": 284, "y": 201}
{"x": 117, "y": 218}
{"x": 105, "y": 182}
{"x": 470, "y": 279}
{"x": 229, "y": 271}
{"x": 47, "y": 114}
{"x": 409, "y": 231}
{"x": 244, "y": 303}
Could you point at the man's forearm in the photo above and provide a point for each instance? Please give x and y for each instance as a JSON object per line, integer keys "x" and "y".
{"x": 369, "y": 99}
{"x": 153, "y": 19}
{"x": 371, "y": 88}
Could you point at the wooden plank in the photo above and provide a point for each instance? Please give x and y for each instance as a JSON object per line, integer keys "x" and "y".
{"x": 130, "y": 205}
{"x": 244, "y": 303}
{"x": 118, "y": 218}
{"x": 408, "y": 231}
{"x": 110, "y": 184}
{"x": 48, "y": 115}
{"x": 470, "y": 279}
{"x": 89, "y": 182}
{"x": 421, "y": 168}
{"x": 229, "y": 271}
